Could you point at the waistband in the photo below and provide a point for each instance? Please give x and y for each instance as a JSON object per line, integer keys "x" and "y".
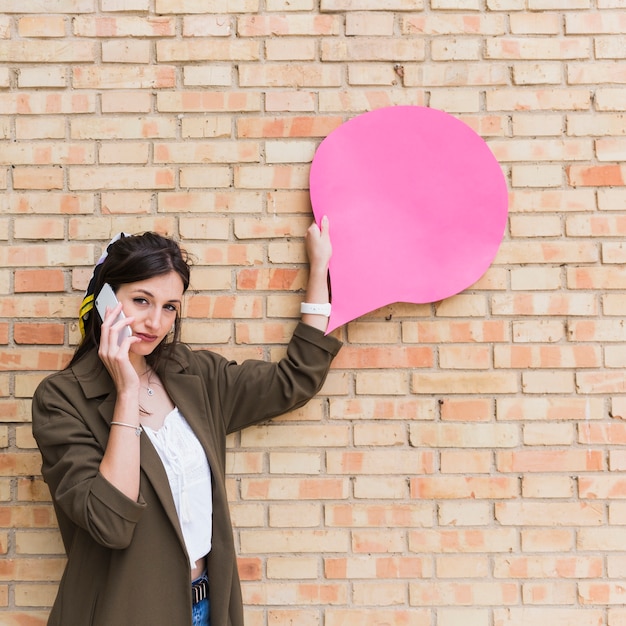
{"x": 200, "y": 589}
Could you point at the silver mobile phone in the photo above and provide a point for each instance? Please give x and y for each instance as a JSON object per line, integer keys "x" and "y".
{"x": 106, "y": 298}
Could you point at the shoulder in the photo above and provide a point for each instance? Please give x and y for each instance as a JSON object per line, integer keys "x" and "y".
{"x": 185, "y": 359}
{"x": 55, "y": 382}
{"x": 87, "y": 378}
{"x": 57, "y": 394}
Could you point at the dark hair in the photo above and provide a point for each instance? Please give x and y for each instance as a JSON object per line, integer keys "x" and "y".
{"x": 129, "y": 260}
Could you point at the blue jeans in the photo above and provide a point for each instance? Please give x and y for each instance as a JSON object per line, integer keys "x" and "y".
{"x": 200, "y": 611}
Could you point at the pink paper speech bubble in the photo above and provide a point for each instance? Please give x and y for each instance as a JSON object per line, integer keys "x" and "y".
{"x": 417, "y": 206}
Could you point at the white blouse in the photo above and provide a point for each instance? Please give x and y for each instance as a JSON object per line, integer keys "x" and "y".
{"x": 189, "y": 476}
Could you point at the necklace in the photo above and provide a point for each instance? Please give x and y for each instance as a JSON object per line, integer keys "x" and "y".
{"x": 148, "y": 387}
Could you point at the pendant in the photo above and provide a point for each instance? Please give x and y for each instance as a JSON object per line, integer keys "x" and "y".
{"x": 150, "y": 391}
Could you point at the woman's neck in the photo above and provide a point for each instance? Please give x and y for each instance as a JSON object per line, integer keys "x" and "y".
{"x": 139, "y": 363}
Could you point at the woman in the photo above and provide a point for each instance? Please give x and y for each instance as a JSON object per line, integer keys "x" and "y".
{"x": 133, "y": 443}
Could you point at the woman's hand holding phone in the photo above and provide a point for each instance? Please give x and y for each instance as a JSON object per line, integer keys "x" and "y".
{"x": 106, "y": 300}
{"x": 115, "y": 340}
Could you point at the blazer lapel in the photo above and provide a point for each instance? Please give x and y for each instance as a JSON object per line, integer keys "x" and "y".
{"x": 96, "y": 382}
{"x": 152, "y": 467}
{"x": 188, "y": 394}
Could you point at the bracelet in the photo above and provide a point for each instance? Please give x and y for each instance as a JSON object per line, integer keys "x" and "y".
{"x": 137, "y": 428}
{"x": 315, "y": 309}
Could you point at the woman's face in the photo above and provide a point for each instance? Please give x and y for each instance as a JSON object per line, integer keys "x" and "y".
{"x": 154, "y": 303}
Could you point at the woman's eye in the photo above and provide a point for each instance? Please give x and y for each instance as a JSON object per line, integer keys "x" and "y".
{"x": 170, "y": 307}
{"x": 140, "y": 301}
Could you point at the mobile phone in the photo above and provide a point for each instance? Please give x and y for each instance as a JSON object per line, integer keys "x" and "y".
{"x": 106, "y": 298}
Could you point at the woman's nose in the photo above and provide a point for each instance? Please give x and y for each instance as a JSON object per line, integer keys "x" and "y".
{"x": 154, "y": 319}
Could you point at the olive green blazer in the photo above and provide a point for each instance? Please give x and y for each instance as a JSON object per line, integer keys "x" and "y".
{"x": 126, "y": 561}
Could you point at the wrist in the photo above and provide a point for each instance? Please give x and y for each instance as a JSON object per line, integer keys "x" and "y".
{"x": 128, "y": 400}
{"x": 318, "y": 270}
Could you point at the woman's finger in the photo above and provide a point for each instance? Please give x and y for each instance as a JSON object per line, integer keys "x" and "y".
{"x": 325, "y": 225}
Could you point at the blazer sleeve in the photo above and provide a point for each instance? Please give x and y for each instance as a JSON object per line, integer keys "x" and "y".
{"x": 71, "y": 458}
{"x": 257, "y": 390}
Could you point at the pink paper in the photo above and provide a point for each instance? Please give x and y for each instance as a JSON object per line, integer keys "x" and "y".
{"x": 417, "y": 205}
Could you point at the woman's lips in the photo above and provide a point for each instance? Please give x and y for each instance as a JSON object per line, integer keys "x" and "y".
{"x": 144, "y": 337}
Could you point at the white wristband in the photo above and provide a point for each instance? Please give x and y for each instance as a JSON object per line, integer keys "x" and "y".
{"x": 315, "y": 309}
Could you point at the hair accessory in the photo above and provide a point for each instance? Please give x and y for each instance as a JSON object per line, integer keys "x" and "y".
{"x": 88, "y": 298}
{"x": 315, "y": 309}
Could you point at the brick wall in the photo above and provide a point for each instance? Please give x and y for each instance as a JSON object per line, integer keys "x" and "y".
{"x": 465, "y": 463}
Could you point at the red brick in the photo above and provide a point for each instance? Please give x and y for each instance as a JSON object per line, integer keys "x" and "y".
{"x": 302, "y": 126}
{"x": 361, "y": 357}
{"x": 550, "y": 460}
{"x": 596, "y": 175}
{"x": 39, "y": 333}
